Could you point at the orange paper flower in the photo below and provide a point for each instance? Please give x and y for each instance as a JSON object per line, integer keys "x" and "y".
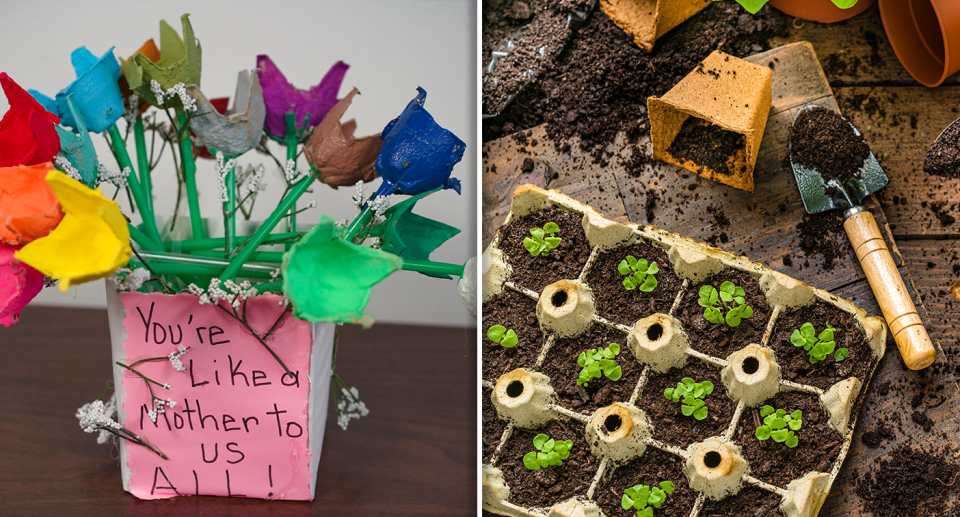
{"x": 342, "y": 159}
{"x": 28, "y": 207}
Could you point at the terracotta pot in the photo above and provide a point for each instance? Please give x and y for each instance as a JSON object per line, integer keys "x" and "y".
{"x": 822, "y": 11}
{"x": 925, "y": 34}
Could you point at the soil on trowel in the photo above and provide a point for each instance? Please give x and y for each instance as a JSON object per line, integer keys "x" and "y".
{"x": 672, "y": 427}
{"x": 619, "y": 305}
{"x": 795, "y": 361}
{"x": 910, "y": 482}
{"x": 547, "y": 486}
{"x": 564, "y": 262}
{"x": 518, "y": 313}
{"x": 649, "y": 469}
{"x": 560, "y": 364}
{"x": 823, "y": 141}
{"x": 720, "y": 340}
{"x": 943, "y": 158}
{"x": 777, "y": 464}
{"x": 707, "y": 145}
{"x": 600, "y": 83}
{"x": 749, "y": 502}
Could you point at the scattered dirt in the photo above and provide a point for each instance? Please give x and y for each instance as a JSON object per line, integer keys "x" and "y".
{"x": 910, "y": 482}
{"x": 619, "y": 305}
{"x": 876, "y": 436}
{"x": 750, "y": 502}
{"x": 940, "y": 210}
{"x": 650, "y": 469}
{"x": 943, "y": 159}
{"x": 721, "y": 340}
{"x": 600, "y": 83}
{"x": 707, "y": 145}
{"x": 671, "y": 426}
{"x": 516, "y": 312}
{"x": 778, "y": 464}
{"x": 824, "y": 141}
{"x": 561, "y": 366}
{"x": 823, "y": 234}
{"x": 564, "y": 262}
{"x": 794, "y": 361}
{"x": 546, "y": 487}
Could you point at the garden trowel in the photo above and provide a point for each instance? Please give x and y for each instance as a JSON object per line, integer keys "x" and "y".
{"x": 898, "y": 308}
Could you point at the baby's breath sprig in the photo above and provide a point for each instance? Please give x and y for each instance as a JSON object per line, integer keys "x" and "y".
{"x": 349, "y": 405}
{"x": 99, "y": 416}
{"x": 158, "y": 405}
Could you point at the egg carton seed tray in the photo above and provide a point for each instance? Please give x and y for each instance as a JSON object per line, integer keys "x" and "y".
{"x": 619, "y": 434}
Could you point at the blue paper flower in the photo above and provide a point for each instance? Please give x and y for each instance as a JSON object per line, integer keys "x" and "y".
{"x": 417, "y": 154}
{"x": 96, "y": 92}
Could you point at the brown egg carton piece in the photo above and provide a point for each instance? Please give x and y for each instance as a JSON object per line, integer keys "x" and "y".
{"x": 525, "y": 398}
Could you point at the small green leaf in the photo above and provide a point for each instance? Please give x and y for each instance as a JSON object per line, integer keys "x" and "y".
{"x": 632, "y": 261}
{"x": 797, "y": 339}
{"x": 778, "y": 423}
{"x": 826, "y": 335}
{"x": 582, "y": 359}
{"x": 646, "y": 512}
{"x": 623, "y": 268}
{"x": 794, "y": 424}
{"x": 780, "y": 435}
{"x": 687, "y": 381}
{"x": 649, "y": 284}
{"x": 539, "y": 440}
{"x": 686, "y": 410}
{"x": 537, "y": 233}
{"x": 657, "y": 497}
{"x": 792, "y": 441}
{"x": 763, "y": 432}
{"x": 668, "y": 393}
{"x": 733, "y": 318}
{"x": 746, "y": 312}
{"x": 626, "y": 502}
{"x": 629, "y": 284}
{"x": 495, "y": 333}
{"x": 766, "y": 410}
{"x": 548, "y": 445}
{"x": 841, "y": 354}
{"x": 551, "y": 228}
{"x": 698, "y": 391}
{"x": 846, "y": 4}
{"x": 708, "y": 296}
{"x": 697, "y": 403}
{"x": 615, "y": 348}
{"x": 552, "y": 242}
{"x": 713, "y": 315}
{"x": 652, "y": 269}
{"x": 510, "y": 340}
{"x": 701, "y": 413}
{"x": 796, "y": 415}
{"x": 667, "y": 486}
{"x": 707, "y": 387}
{"x": 807, "y": 330}
{"x": 530, "y": 461}
{"x": 594, "y": 369}
{"x": 615, "y": 374}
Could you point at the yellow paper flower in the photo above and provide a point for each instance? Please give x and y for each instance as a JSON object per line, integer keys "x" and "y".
{"x": 91, "y": 241}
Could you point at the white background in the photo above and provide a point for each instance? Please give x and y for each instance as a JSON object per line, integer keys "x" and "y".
{"x": 391, "y": 46}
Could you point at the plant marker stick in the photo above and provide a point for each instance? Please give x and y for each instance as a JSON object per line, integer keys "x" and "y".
{"x": 267, "y": 227}
{"x": 123, "y": 158}
{"x": 143, "y": 162}
{"x": 190, "y": 175}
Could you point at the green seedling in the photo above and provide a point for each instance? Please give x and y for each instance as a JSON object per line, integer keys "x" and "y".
{"x": 644, "y": 499}
{"x": 599, "y": 360}
{"x": 777, "y": 424}
{"x": 549, "y": 452}
{"x": 691, "y": 393}
{"x": 542, "y": 240}
{"x": 754, "y": 6}
{"x": 500, "y": 334}
{"x": 818, "y": 347}
{"x": 639, "y": 274}
{"x": 729, "y": 293}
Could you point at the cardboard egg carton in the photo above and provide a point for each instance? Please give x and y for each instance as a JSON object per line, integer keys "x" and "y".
{"x": 525, "y": 398}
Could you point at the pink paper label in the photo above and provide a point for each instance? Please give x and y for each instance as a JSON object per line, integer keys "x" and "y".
{"x": 239, "y": 424}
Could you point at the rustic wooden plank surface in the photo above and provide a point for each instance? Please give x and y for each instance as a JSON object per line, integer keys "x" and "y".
{"x": 763, "y": 226}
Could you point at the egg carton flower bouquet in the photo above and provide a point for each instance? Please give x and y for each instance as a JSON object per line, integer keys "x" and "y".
{"x": 223, "y": 335}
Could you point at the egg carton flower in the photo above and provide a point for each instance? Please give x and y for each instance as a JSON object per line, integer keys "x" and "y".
{"x": 309, "y": 106}
{"x": 339, "y": 159}
{"x": 179, "y": 63}
{"x": 95, "y": 92}
{"x": 19, "y": 283}
{"x": 91, "y": 241}
{"x": 27, "y": 130}
{"x": 417, "y": 154}
{"x": 133, "y": 105}
{"x": 29, "y": 209}
{"x": 241, "y": 127}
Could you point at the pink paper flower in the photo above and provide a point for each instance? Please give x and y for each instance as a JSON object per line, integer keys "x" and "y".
{"x": 281, "y": 97}
{"x": 19, "y": 283}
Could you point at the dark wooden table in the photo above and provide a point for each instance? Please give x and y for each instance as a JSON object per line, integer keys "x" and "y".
{"x": 415, "y": 454}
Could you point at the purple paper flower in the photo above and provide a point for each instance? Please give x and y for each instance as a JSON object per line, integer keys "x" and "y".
{"x": 417, "y": 154}
{"x": 281, "y": 97}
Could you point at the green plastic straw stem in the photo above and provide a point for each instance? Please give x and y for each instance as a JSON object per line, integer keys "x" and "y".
{"x": 213, "y": 243}
{"x": 143, "y": 162}
{"x": 142, "y": 239}
{"x": 172, "y": 268}
{"x": 358, "y": 223}
{"x": 190, "y": 175}
{"x": 270, "y": 287}
{"x": 291, "y": 142}
{"x": 420, "y": 266}
{"x": 267, "y": 227}
{"x": 123, "y": 158}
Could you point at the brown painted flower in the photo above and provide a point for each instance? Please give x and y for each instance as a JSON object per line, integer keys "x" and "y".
{"x": 339, "y": 158}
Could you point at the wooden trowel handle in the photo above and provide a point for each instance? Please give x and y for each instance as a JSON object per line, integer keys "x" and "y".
{"x": 891, "y": 293}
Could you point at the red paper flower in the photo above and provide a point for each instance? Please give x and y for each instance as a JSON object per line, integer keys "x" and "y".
{"x": 27, "y": 131}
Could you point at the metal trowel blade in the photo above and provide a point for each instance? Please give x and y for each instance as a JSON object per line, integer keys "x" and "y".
{"x": 820, "y": 197}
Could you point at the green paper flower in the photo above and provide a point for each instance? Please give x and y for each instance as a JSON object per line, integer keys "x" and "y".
{"x": 179, "y": 63}
{"x": 329, "y": 279}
